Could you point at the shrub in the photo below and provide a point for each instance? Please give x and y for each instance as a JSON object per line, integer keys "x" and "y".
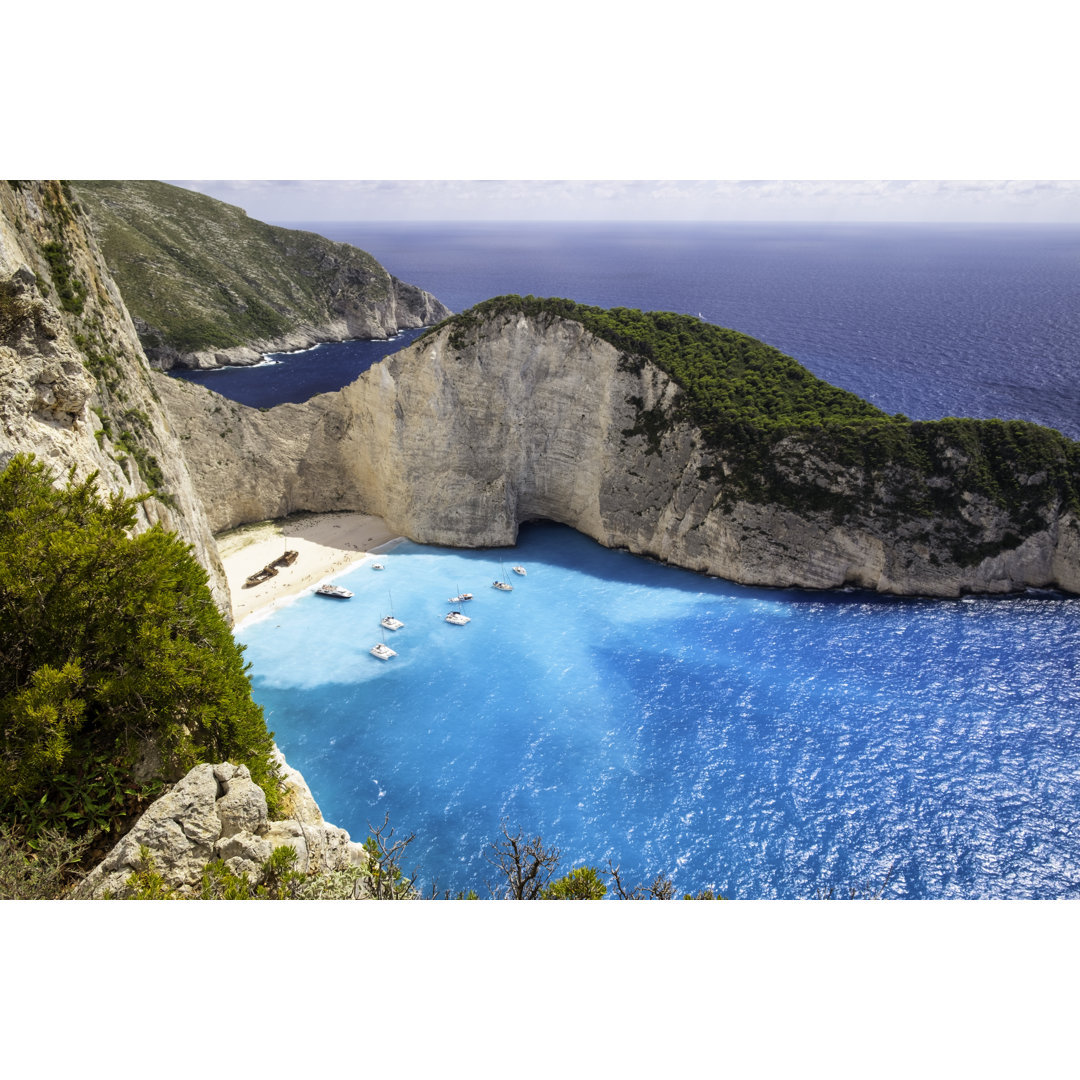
{"x": 109, "y": 644}
{"x": 44, "y": 869}
{"x": 583, "y": 883}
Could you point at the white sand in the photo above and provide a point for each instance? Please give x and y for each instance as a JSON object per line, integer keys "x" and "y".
{"x": 327, "y": 544}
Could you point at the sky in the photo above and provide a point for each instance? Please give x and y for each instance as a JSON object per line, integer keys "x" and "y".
{"x": 942, "y": 110}
{"x": 284, "y": 201}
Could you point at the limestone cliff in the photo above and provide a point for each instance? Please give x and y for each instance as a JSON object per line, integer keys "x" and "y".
{"x": 75, "y": 388}
{"x": 464, "y": 435}
{"x": 207, "y": 285}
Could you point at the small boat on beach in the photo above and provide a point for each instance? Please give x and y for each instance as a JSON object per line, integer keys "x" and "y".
{"x": 270, "y": 569}
{"x": 382, "y": 651}
{"x": 265, "y": 574}
{"x": 457, "y": 618}
{"x": 518, "y": 570}
{"x": 335, "y": 591}
{"x": 377, "y": 566}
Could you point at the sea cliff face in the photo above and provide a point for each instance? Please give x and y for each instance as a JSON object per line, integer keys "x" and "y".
{"x": 208, "y": 286}
{"x": 75, "y": 389}
{"x": 458, "y": 442}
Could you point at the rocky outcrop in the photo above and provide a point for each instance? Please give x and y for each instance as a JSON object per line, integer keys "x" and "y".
{"x": 75, "y": 388}
{"x": 457, "y": 443}
{"x": 218, "y": 812}
{"x": 208, "y": 285}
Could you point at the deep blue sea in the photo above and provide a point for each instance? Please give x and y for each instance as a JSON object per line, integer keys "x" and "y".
{"x": 765, "y": 743}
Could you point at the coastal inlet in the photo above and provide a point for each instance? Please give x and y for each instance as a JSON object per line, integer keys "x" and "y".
{"x": 764, "y": 743}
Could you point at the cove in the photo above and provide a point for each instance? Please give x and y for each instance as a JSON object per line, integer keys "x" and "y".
{"x": 765, "y": 743}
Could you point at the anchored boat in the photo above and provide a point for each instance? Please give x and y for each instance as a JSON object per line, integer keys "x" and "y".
{"x": 388, "y": 620}
{"x": 335, "y": 591}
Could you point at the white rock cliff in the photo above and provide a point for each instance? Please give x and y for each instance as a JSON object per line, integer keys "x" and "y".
{"x": 75, "y": 388}
{"x": 459, "y": 445}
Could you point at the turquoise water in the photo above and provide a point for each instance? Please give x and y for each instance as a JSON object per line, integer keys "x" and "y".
{"x": 766, "y": 743}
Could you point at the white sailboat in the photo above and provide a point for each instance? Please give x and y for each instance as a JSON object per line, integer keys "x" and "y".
{"x": 388, "y": 620}
{"x": 382, "y": 651}
{"x": 457, "y": 619}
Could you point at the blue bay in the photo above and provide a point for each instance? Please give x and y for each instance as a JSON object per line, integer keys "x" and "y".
{"x": 765, "y": 743}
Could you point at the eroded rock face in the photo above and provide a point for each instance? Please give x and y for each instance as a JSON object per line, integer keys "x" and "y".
{"x": 218, "y": 812}
{"x": 75, "y": 388}
{"x": 459, "y": 444}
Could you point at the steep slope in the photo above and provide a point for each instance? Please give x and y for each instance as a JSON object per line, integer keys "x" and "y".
{"x": 75, "y": 388}
{"x": 208, "y": 285}
{"x": 656, "y": 433}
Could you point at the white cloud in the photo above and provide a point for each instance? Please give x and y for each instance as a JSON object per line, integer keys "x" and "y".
{"x": 685, "y": 200}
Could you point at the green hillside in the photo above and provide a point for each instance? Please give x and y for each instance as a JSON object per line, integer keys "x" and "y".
{"x": 201, "y": 274}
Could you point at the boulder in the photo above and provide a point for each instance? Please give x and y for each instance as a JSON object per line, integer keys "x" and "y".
{"x": 219, "y": 812}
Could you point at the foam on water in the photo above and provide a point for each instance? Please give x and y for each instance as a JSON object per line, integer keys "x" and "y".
{"x": 766, "y": 743}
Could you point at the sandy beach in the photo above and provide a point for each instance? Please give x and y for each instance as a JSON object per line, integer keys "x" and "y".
{"x": 327, "y": 544}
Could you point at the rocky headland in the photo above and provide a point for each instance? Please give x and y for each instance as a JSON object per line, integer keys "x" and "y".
{"x": 522, "y": 410}
{"x": 206, "y": 285}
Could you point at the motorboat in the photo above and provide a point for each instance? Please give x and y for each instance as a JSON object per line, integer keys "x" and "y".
{"x": 518, "y": 570}
{"x": 382, "y": 651}
{"x": 377, "y": 566}
{"x": 457, "y": 618}
{"x": 391, "y": 623}
{"x": 336, "y": 591}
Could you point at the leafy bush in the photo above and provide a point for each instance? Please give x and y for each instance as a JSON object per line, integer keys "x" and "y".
{"x": 110, "y": 645}
{"x": 582, "y": 883}
{"x": 42, "y": 869}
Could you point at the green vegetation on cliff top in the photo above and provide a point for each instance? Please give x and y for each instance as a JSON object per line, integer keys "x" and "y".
{"x": 765, "y": 418}
{"x": 202, "y": 274}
